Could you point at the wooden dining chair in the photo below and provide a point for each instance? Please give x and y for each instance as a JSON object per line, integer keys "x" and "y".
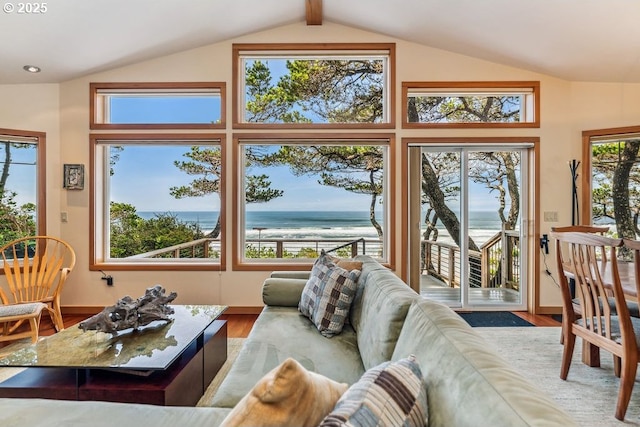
{"x": 36, "y": 269}
{"x": 634, "y": 246}
{"x": 600, "y": 325}
{"x": 634, "y": 308}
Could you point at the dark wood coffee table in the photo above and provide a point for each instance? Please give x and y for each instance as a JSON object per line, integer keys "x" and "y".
{"x": 163, "y": 363}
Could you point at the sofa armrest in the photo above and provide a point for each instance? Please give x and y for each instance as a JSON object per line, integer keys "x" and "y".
{"x": 291, "y": 274}
{"x": 282, "y": 291}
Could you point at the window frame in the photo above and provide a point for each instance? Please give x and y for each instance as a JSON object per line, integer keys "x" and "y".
{"x": 41, "y": 173}
{"x": 98, "y": 232}
{"x": 95, "y": 109}
{"x": 237, "y": 211}
{"x": 311, "y": 49}
{"x": 444, "y": 87}
{"x": 588, "y": 137}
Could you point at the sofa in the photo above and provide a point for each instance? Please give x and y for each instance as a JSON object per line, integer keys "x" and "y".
{"x": 464, "y": 382}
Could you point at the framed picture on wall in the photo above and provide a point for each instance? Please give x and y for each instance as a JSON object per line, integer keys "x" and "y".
{"x": 73, "y": 177}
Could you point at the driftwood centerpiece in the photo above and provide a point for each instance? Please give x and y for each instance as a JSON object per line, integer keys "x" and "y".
{"x": 129, "y": 313}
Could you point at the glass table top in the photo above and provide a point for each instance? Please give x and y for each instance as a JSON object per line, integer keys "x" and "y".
{"x": 152, "y": 347}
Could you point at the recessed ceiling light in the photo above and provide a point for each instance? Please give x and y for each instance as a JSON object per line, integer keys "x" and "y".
{"x": 31, "y": 68}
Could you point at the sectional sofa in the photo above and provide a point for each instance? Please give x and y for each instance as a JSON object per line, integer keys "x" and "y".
{"x": 465, "y": 383}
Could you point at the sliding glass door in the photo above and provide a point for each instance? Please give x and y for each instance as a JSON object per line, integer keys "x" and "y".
{"x": 467, "y": 204}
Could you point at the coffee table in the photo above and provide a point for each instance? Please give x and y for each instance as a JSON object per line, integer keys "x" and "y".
{"x": 163, "y": 363}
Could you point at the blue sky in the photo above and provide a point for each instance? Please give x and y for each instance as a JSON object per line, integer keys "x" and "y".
{"x": 22, "y": 173}
{"x": 145, "y": 182}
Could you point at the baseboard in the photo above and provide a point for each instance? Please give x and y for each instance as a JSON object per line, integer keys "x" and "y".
{"x": 549, "y": 310}
{"x": 243, "y": 310}
{"x": 81, "y": 309}
{"x": 86, "y": 309}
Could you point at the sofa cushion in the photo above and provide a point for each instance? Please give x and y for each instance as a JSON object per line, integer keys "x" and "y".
{"x": 282, "y": 332}
{"x": 466, "y": 381}
{"x": 327, "y": 296}
{"x": 378, "y": 313}
{"x": 289, "y": 395}
{"x": 392, "y": 393}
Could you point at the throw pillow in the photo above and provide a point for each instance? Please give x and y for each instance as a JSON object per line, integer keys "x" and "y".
{"x": 327, "y": 295}
{"x": 391, "y": 394}
{"x": 347, "y": 264}
{"x": 288, "y": 395}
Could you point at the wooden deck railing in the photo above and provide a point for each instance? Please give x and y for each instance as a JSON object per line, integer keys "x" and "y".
{"x": 497, "y": 265}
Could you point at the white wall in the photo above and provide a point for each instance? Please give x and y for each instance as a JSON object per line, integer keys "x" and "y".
{"x": 62, "y": 111}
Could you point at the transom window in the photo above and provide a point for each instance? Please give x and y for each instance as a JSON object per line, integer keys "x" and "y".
{"x": 470, "y": 104}
{"x": 330, "y": 85}
{"x": 296, "y": 197}
{"x": 22, "y": 200}
{"x": 157, "y": 105}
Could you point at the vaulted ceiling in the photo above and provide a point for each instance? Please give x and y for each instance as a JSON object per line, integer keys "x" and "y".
{"x": 578, "y": 40}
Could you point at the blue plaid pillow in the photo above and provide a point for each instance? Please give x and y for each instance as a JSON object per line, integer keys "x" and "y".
{"x": 327, "y": 295}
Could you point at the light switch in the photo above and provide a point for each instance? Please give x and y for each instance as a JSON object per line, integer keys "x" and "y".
{"x": 63, "y": 217}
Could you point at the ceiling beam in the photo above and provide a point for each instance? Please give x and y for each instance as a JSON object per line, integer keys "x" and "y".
{"x": 314, "y": 12}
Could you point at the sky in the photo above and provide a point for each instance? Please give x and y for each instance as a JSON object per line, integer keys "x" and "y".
{"x": 143, "y": 177}
{"x": 144, "y": 181}
{"x": 22, "y": 172}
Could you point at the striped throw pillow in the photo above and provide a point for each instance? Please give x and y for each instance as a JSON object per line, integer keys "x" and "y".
{"x": 327, "y": 295}
{"x": 391, "y": 394}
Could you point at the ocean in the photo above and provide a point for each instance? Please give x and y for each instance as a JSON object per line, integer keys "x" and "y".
{"x": 324, "y": 224}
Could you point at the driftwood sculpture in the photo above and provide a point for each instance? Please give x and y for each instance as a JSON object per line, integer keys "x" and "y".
{"x": 129, "y": 313}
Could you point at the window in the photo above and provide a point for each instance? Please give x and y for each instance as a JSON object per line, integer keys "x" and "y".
{"x": 157, "y": 105}
{"x": 298, "y": 196}
{"x": 22, "y": 200}
{"x": 612, "y": 180}
{"x": 470, "y": 104}
{"x": 313, "y": 85}
{"x": 164, "y": 213}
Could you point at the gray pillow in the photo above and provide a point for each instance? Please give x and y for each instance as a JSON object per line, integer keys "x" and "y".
{"x": 327, "y": 295}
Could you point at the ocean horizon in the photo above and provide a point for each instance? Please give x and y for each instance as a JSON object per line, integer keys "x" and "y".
{"x": 322, "y": 224}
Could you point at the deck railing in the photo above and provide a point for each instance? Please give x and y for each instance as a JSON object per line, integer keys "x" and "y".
{"x": 271, "y": 248}
{"x": 496, "y": 265}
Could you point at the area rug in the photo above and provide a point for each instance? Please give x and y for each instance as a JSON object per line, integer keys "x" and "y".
{"x": 589, "y": 394}
{"x": 233, "y": 349}
{"x": 493, "y": 319}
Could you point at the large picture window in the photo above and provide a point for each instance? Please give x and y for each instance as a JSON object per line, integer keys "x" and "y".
{"x": 313, "y": 85}
{"x": 296, "y": 197}
{"x": 22, "y": 202}
{"x": 164, "y": 213}
{"x": 470, "y": 104}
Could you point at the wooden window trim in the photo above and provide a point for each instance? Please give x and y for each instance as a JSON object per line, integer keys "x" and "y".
{"x": 41, "y": 183}
{"x": 95, "y": 87}
{"x": 586, "y": 193}
{"x": 97, "y": 265}
{"x": 238, "y": 48}
{"x": 533, "y": 85}
{"x": 237, "y": 264}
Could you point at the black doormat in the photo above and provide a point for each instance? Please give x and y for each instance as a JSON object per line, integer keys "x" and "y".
{"x": 493, "y": 318}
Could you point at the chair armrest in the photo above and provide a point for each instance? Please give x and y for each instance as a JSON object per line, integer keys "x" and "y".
{"x": 283, "y": 292}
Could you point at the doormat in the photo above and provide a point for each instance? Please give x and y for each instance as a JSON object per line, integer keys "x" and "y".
{"x": 493, "y": 318}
